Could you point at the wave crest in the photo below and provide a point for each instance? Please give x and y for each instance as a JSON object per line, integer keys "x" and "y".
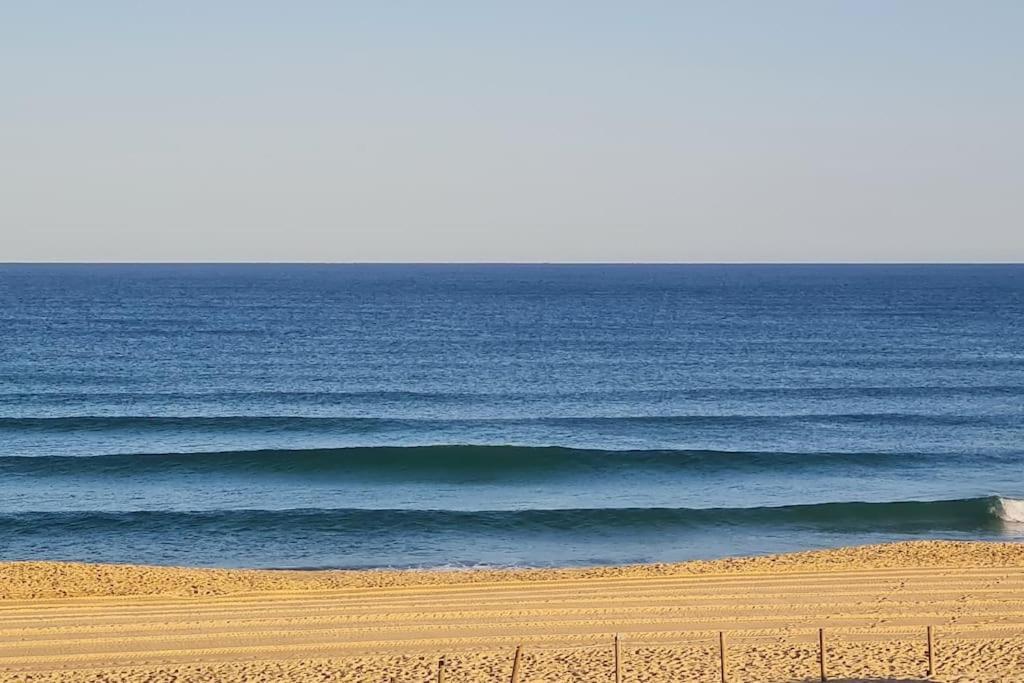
{"x": 835, "y": 517}
{"x": 1008, "y": 510}
{"x": 442, "y": 462}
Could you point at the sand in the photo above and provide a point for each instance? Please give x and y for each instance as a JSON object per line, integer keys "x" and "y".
{"x": 77, "y": 622}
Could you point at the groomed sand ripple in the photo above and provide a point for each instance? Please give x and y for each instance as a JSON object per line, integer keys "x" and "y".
{"x": 74, "y": 622}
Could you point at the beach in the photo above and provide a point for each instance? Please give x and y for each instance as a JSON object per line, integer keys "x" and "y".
{"x": 362, "y": 469}
{"x": 79, "y": 622}
{"x": 512, "y": 342}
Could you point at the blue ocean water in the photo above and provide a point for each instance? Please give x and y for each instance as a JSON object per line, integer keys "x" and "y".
{"x": 463, "y": 415}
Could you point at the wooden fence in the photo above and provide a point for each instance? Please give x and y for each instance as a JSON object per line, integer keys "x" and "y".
{"x": 927, "y": 636}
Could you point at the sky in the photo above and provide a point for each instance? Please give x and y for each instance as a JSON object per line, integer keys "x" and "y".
{"x": 553, "y": 131}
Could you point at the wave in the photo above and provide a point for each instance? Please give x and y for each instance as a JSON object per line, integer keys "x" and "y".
{"x": 1008, "y": 509}
{"x": 912, "y": 517}
{"x": 326, "y": 397}
{"x": 363, "y": 425}
{"x": 447, "y": 461}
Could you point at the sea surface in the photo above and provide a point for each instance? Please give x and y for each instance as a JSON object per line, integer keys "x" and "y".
{"x": 492, "y": 415}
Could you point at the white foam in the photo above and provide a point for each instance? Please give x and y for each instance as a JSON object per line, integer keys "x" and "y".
{"x": 1009, "y": 510}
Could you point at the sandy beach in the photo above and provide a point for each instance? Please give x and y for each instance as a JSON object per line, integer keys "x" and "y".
{"x": 74, "y": 622}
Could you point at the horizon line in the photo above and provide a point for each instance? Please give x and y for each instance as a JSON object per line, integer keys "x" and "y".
{"x": 509, "y": 263}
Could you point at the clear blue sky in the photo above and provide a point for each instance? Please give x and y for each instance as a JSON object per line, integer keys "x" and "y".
{"x": 864, "y": 130}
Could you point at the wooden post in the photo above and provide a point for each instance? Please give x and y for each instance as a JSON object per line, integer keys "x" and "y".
{"x": 821, "y": 654}
{"x": 440, "y": 670}
{"x": 722, "y": 660}
{"x": 931, "y": 654}
{"x": 515, "y": 664}
{"x": 618, "y": 661}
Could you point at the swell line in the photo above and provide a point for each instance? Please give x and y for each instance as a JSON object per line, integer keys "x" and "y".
{"x": 361, "y": 424}
{"x": 391, "y": 395}
{"x": 451, "y": 460}
{"x": 840, "y": 517}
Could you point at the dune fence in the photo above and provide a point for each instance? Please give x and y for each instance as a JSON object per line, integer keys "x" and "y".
{"x": 714, "y": 657}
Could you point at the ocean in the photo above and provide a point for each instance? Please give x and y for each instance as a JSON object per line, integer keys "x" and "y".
{"x": 358, "y": 416}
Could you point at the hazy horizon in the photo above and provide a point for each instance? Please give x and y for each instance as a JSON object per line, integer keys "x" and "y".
{"x": 658, "y": 132}
{"x": 508, "y": 263}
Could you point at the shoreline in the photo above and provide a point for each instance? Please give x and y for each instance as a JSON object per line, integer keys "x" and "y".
{"x": 23, "y": 580}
